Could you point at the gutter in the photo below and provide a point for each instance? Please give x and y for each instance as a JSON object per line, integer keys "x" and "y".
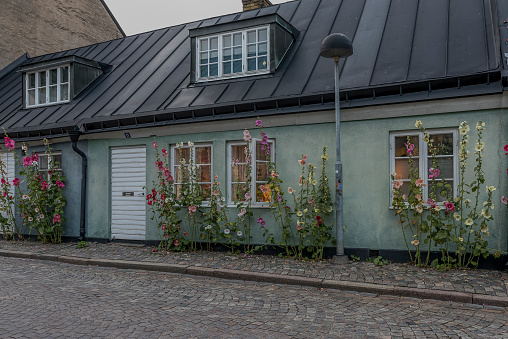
{"x": 74, "y": 136}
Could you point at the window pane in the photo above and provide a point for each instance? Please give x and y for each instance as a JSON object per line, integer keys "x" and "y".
{"x": 404, "y": 189}
{"x": 400, "y": 147}
{"x": 262, "y": 63}
{"x": 445, "y": 166}
{"x": 237, "y": 39}
{"x": 43, "y": 162}
{"x": 226, "y": 54}
{"x": 204, "y": 58}
{"x": 263, "y": 195}
{"x": 262, "y": 48}
{"x": 262, "y": 35}
{"x": 204, "y": 71}
{"x": 226, "y": 68}
{"x": 402, "y": 168}
{"x": 53, "y": 76}
{"x": 239, "y": 173}
{"x": 203, "y": 155}
{"x": 57, "y": 160}
{"x": 185, "y": 155}
{"x": 443, "y": 190}
{"x": 53, "y": 94}
{"x": 262, "y": 171}
{"x": 238, "y": 192}
{"x": 31, "y": 97}
{"x": 203, "y": 43}
{"x": 251, "y": 37}
{"x": 64, "y": 74}
{"x": 237, "y": 66}
{"x": 237, "y": 53}
{"x": 214, "y": 43}
{"x": 214, "y": 57}
{"x": 214, "y": 70}
{"x": 260, "y": 152}
{"x": 251, "y": 50}
{"x": 180, "y": 175}
{"x": 251, "y": 64}
{"x": 64, "y": 92}
{"x": 226, "y": 41}
{"x": 443, "y": 144}
{"x": 206, "y": 191}
{"x": 42, "y": 78}
{"x": 31, "y": 80}
{"x": 205, "y": 173}
{"x": 179, "y": 189}
{"x": 42, "y": 95}
{"x": 238, "y": 153}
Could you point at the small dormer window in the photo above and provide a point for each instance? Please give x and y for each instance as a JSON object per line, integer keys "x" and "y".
{"x": 48, "y": 86}
{"x": 240, "y": 48}
{"x": 233, "y": 54}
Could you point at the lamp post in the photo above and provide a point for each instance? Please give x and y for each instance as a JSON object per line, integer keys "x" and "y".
{"x": 336, "y": 46}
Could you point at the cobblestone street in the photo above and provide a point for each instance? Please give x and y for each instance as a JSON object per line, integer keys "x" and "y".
{"x": 43, "y": 299}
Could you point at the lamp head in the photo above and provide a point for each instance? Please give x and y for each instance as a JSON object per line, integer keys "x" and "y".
{"x": 336, "y": 45}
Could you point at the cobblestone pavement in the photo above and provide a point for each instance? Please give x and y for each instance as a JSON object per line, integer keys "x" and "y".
{"x": 487, "y": 282}
{"x": 44, "y": 299}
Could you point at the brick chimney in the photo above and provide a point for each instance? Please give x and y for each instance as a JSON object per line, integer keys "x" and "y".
{"x": 255, "y": 4}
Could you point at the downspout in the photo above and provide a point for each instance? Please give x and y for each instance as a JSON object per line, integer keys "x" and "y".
{"x": 74, "y": 136}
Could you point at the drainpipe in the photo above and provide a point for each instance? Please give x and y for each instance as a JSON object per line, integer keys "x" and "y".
{"x": 74, "y": 136}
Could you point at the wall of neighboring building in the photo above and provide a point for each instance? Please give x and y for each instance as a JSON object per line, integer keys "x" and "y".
{"x": 365, "y": 155}
{"x": 45, "y": 26}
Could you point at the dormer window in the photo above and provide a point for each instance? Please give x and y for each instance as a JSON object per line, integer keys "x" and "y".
{"x": 57, "y": 81}
{"x": 48, "y": 86}
{"x": 233, "y": 54}
{"x": 241, "y": 48}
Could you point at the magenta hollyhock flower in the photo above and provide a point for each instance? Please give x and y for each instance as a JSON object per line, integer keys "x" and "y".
{"x": 56, "y": 218}
{"x": 9, "y": 143}
{"x": 15, "y": 182}
{"x": 27, "y": 161}
{"x": 279, "y": 198}
{"x": 60, "y": 184}
{"x": 35, "y": 157}
{"x": 165, "y": 152}
{"x": 259, "y": 123}
{"x": 176, "y": 242}
{"x": 506, "y": 149}
{"x": 44, "y": 185}
{"x": 449, "y": 206}
{"x": 186, "y": 234}
{"x": 410, "y": 147}
{"x": 155, "y": 145}
{"x": 261, "y": 221}
{"x": 3, "y": 181}
{"x": 504, "y": 200}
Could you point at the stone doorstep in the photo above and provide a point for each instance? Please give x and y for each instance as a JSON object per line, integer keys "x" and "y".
{"x": 441, "y": 295}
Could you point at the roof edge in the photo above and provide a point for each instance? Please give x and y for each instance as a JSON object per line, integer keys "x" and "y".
{"x": 14, "y": 65}
{"x": 113, "y": 17}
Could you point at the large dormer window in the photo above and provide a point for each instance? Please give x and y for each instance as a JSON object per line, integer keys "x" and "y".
{"x": 58, "y": 80}
{"x": 233, "y": 54}
{"x": 48, "y": 86}
{"x": 241, "y": 48}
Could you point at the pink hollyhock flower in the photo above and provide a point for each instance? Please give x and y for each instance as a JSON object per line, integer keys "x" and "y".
{"x": 9, "y": 143}
{"x": 246, "y": 135}
{"x": 410, "y": 147}
{"x": 186, "y": 234}
{"x": 242, "y": 212}
{"x": 259, "y": 123}
{"x": 44, "y": 185}
{"x": 155, "y": 145}
{"x": 247, "y": 196}
{"x": 504, "y": 200}
{"x": 397, "y": 184}
{"x": 15, "y": 182}
{"x": 418, "y": 182}
{"x": 165, "y": 152}
{"x": 60, "y": 184}
{"x": 418, "y": 197}
{"x": 299, "y": 227}
{"x": 176, "y": 242}
{"x": 192, "y": 209}
{"x": 56, "y": 218}
{"x": 301, "y": 162}
{"x": 506, "y": 149}
{"x": 215, "y": 192}
{"x": 27, "y": 161}
{"x": 449, "y": 206}
{"x": 35, "y": 157}
{"x": 261, "y": 222}
{"x": 274, "y": 175}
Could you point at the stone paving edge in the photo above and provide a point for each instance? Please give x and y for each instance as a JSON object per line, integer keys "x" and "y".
{"x": 441, "y": 295}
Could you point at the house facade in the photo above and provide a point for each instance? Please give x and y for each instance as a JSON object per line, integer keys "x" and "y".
{"x": 208, "y": 81}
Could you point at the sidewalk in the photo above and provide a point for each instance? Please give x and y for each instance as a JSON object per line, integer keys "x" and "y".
{"x": 467, "y": 286}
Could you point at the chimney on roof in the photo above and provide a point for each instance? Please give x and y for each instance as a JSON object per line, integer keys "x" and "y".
{"x": 255, "y": 4}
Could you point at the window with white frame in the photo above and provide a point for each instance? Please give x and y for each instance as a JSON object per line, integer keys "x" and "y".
{"x": 45, "y": 163}
{"x": 48, "y": 86}
{"x": 445, "y": 143}
{"x": 233, "y": 54}
{"x": 237, "y": 176}
{"x": 202, "y": 158}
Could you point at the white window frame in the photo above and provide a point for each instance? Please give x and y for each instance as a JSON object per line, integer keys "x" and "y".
{"x": 50, "y": 160}
{"x": 58, "y": 85}
{"x": 244, "y": 72}
{"x": 230, "y": 181}
{"x": 174, "y": 149}
{"x": 425, "y": 158}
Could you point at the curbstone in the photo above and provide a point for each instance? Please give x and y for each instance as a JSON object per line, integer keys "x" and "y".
{"x": 491, "y": 300}
{"x": 49, "y": 257}
{"x": 267, "y": 277}
{"x": 73, "y": 260}
{"x": 461, "y": 297}
{"x": 357, "y": 287}
{"x": 201, "y": 271}
{"x": 140, "y": 265}
{"x": 18, "y": 254}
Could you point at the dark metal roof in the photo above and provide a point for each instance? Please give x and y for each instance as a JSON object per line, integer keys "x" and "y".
{"x": 404, "y": 50}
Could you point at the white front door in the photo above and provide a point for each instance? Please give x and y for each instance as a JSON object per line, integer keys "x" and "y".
{"x": 128, "y": 206}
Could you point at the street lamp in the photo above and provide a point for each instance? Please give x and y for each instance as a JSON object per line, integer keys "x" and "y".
{"x": 336, "y": 46}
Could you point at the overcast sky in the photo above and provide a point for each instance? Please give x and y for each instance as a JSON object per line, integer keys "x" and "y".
{"x": 137, "y": 16}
